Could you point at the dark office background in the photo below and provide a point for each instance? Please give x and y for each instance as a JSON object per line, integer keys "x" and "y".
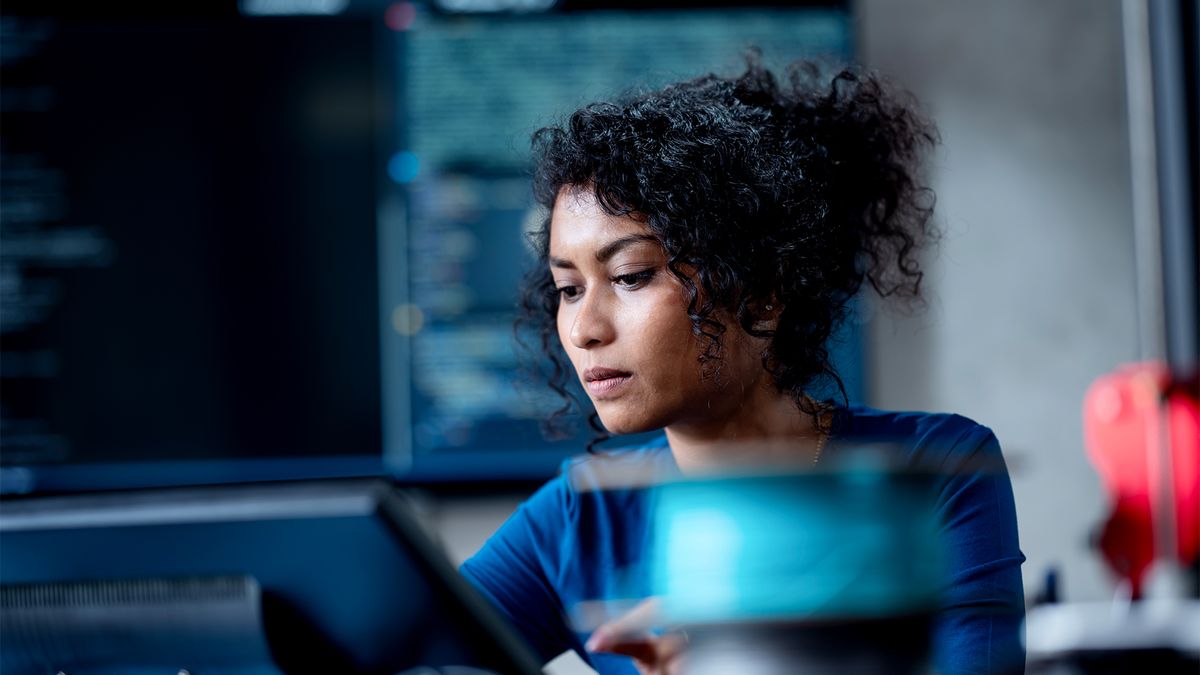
{"x": 247, "y": 235}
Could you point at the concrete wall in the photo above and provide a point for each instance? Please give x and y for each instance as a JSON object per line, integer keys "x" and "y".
{"x": 1032, "y": 291}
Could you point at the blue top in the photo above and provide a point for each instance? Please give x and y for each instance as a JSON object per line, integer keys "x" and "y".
{"x": 573, "y": 542}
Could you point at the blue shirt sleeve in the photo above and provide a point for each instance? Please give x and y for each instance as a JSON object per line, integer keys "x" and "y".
{"x": 517, "y": 569}
{"x": 978, "y": 627}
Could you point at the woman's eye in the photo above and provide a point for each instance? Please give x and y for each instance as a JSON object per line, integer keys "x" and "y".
{"x": 568, "y": 292}
{"x": 635, "y": 280}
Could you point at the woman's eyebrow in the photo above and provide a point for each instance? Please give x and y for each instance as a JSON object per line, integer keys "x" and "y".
{"x": 607, "y": 251}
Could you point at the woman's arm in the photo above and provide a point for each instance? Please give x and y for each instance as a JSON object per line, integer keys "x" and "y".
{"x": 978, "y": 628}
{"x": 516, "y": 566}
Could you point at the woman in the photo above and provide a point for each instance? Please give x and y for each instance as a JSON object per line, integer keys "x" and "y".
{"x": 703, "y": 242}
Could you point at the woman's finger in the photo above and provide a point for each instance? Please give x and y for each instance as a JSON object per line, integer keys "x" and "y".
{"x": 670, "y": 648}
{"x": 653, "y": 655}
{"x": 632, "y": 626}
{"x": 630, "y": 635}
{"x": 644, "y": 649}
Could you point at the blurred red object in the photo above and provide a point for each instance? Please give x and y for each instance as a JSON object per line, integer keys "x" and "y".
{"x": 1123, "y": 432}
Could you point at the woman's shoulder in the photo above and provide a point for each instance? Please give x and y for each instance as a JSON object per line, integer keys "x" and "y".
{"x": 861, "y": 419}
{"x": 925, "y": 436}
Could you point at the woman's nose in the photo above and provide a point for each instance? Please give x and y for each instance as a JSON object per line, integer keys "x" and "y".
{"x": 593, "y": 324}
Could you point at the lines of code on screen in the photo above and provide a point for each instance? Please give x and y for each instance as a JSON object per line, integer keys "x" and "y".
{"x": 187, "y": 240}
{"x": 475, "y": 89}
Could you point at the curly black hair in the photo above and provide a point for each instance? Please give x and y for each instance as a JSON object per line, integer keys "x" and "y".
{"x": 786, "y": 195}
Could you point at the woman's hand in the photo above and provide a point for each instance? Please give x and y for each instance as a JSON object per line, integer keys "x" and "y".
{"x": 630, "y": 635}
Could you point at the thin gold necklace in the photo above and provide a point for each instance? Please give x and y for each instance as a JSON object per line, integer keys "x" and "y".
{"x": 821, "y": 442}
{"x": 821, "y": 439}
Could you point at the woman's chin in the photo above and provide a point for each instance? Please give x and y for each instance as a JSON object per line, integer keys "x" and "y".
{"x": 619, "y": 424}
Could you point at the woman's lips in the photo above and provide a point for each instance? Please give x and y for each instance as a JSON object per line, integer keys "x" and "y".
{"x": 608, "y": 387}
{"x": 605, "y": 382}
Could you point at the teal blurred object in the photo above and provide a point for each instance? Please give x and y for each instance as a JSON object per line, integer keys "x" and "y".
{"x": 855, "y": 544}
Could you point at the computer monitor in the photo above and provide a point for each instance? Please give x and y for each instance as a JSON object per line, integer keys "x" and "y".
{"x": 251, "y": 241}
{"x": 302, "y": 577}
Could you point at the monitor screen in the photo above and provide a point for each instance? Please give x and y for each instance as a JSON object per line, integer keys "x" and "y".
{"x": 245, "y": 242}
{"x": 189, "y": 242}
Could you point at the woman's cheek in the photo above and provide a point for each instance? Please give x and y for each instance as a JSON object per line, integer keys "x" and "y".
{"x": 563, "y": 322}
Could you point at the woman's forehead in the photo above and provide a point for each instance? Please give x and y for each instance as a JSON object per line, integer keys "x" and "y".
{"x": 579, "y": 222}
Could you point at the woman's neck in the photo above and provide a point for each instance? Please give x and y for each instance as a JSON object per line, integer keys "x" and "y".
{"x": 764, "y": 428}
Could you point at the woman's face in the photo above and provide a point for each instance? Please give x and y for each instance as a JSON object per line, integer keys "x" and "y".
{"x": 622, "y": 319}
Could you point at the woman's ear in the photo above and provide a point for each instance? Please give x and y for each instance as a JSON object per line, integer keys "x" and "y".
{"x": 765, "y": 314}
